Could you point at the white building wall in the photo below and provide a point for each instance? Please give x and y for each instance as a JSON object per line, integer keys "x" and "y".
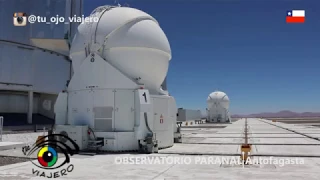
{"x": 26, "y": 68}
{"x": 44, "y": 72}
{"x": 16, "y": 102}
{"x": 188, "y": 115}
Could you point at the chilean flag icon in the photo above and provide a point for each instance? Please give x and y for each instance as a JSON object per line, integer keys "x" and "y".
{"x": 295, "y": 16}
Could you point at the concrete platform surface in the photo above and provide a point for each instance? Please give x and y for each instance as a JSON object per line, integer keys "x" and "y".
{"x": 213, "y": 140}
{"x": 112, "y": 167}
{"x": 201, "y": 149}
{"x": 271, "y": 135}
{"x": 211, "y": 135}
{"x": 17, "y": 152}
{"x": 285, "y": 140}
{"x": 27, "y": 138}
{"x": 286, "y": 150}
{"x": 203, "y": 163}
{"x": 10, "y": 145}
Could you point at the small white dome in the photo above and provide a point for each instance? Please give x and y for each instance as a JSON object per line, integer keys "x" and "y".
{"x": 218, "y": 98}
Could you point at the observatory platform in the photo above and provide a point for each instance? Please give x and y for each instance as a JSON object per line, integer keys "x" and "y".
{"x": 10, "y": 145}
{"x": 276, "y": 139}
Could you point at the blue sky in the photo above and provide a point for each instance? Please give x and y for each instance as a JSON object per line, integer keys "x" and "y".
{"x": 244, "y": 48}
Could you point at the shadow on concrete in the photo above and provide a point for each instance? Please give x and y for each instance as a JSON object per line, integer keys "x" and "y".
{"x": 20, "y": 119}
{"x": 19, "y": 122}
{"x": 184, "y": 127}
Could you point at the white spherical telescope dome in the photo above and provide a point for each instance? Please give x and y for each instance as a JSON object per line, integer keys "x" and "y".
{"x": 127, "y": 38}
{"x": 218, "y": 98}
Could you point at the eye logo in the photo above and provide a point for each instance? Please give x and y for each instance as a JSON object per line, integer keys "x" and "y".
{"x": 48, "y": 153}
{"x": 47, "y": 156}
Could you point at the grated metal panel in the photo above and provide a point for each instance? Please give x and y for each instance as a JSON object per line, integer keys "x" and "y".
{"x": 103, "y": 118}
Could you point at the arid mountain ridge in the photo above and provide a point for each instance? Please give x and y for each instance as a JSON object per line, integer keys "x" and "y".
{"x": 280, "y": 114}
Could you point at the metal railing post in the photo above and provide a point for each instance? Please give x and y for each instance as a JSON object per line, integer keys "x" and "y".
{"x": 1, "y": 127}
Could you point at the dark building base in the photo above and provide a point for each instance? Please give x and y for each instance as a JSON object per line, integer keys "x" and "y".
{"x": 21, "y": 119}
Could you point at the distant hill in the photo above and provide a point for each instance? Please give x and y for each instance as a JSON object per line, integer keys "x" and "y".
{"x": 280, "y": 114}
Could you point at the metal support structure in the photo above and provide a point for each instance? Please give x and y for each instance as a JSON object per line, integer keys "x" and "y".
{"x": 1, "y": 127}
{"x": 245, "y": 148}
{"x": 30, "y": 106}
{"x": 179, "y": 126}
{"x": 177, "y": 135}
{"x": 199, "y": 121}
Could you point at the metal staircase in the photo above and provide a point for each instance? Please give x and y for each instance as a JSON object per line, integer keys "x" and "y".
{"x": 94, "y": 145}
